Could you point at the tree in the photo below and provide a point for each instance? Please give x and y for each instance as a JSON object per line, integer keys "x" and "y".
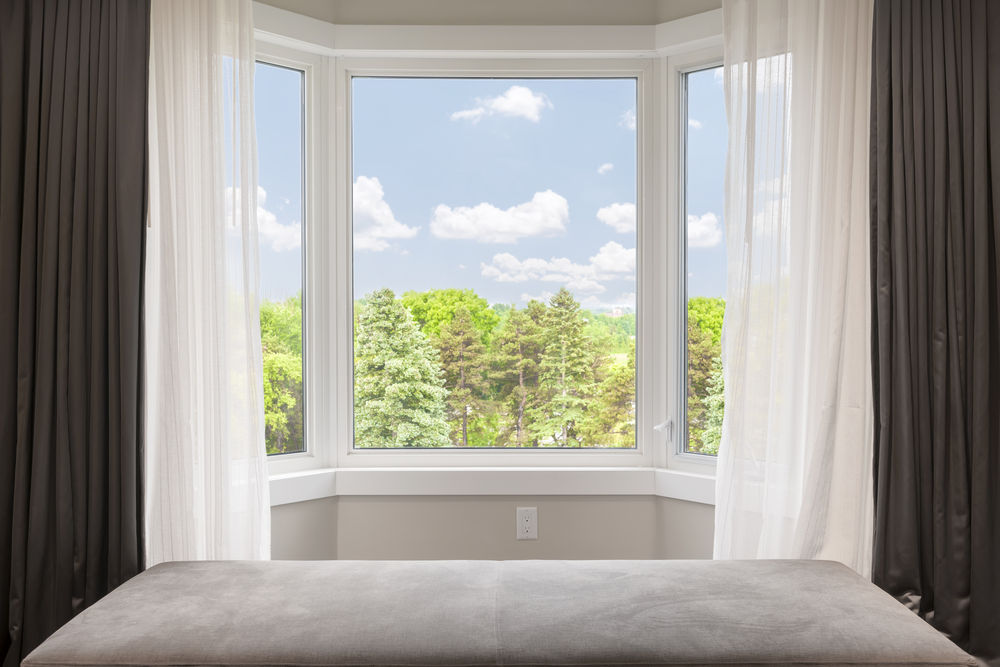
{"x": 610, "y": 418}
{"x": 281, "y": 345}
{"x": 515, "y": 361}
{"x": 399, "y": 394}
{"x": 707, "y": 314}
{"x": 564, "y": 373}
{"x": 434, "y": 308}
{"x": 715, "y": 405}
{"x": 700, "y": 355}
{"x": 462, "y": 357}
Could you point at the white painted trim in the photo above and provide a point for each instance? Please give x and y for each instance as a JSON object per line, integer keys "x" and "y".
{"x": 285, "y": 28}
{"x": 296, "y": 487}
{"x": 475, "y": 481}
{"x": 684, "y": 486}
{"x": 689, "y": 34}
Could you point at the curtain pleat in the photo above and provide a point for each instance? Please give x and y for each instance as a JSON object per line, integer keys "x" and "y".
{"x": 935, "y": 187}
{"x": 72, "y": 229}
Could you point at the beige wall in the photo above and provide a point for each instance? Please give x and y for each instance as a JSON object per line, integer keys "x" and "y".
{"x": 304, "y": 531}
{"x": 482, "y": 527}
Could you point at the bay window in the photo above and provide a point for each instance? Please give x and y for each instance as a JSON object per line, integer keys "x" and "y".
{"x": 482, "y": 265}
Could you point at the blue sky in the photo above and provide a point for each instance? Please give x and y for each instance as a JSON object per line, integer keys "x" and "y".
{"x": 511, "y": 187}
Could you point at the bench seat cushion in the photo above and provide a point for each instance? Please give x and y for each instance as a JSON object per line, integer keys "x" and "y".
{"x": 490, "y": 613}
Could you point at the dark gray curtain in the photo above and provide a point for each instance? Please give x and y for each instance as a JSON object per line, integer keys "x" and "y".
{"x": 935, "y": 187}
{"x": 72, "y": 224}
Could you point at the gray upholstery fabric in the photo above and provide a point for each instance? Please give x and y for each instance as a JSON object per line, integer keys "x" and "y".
{"x": 488, "y": 613}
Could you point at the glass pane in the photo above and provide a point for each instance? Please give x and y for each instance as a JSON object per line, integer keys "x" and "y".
{"x": 494, "y": 262}
{"x": 706, "y": 258}
{"x": 279, "y": 111}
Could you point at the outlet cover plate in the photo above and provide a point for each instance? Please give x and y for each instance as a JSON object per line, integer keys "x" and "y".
{"x": 527, "y": 523}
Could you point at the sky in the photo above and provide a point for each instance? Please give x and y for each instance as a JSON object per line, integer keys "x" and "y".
{"x": 511, "y": 187}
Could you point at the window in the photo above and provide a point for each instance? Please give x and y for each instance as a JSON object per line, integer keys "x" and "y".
{"x": 705, "y": 256}
{"x": 279, "y": 108}
{"x": 494, "y": 254}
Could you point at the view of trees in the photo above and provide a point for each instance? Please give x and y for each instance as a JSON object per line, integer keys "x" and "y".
{"x": 705, "y": 400}
{"x": 445, "y": 368}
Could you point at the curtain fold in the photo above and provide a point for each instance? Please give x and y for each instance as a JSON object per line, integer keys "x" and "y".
{"x": 935, "y": 189}
{"x": 73, "y": 158}
{"x": 207, "y": 489}
{"x": 794, "y": 475}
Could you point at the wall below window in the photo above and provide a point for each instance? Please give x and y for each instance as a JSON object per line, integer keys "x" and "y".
{"x": 482, "y": 527}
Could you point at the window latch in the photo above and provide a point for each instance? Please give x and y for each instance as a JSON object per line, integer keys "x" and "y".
{"x": 666, "y": 428}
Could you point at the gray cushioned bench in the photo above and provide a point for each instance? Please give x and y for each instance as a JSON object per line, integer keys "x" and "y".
{"x": 491, "y": 613}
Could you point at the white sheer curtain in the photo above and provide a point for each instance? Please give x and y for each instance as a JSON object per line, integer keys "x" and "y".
{"x": 795, "y": 462}
{"x": 206, "y": 467}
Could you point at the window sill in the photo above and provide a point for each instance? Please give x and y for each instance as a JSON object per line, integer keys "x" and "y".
{"x": 327, "y": 482}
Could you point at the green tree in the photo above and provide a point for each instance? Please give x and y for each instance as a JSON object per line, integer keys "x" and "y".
{"x": 434, "y": 308}
{"x": 399, "y": 394}
{"x": 701, "y": 353}
{"x": 463, "y": 359}
{"x": 715, "y": 407}
{"x": 515, "y": 360}
{"x": 610, "y": 418}
{"x": 281, "y": 345}
{"x": 565, "y": 379}
{"x": 704, "y": 376}
{"x": 707, "y": 313}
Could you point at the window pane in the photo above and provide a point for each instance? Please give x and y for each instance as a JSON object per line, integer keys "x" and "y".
{"x": 706, "y": 258}
{"x": 279, "y": 111}
{"x": 494, "y": 262}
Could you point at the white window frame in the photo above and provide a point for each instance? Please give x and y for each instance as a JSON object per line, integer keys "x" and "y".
{"x": 651, "y": 405}
{"x": 679, "y": 66}
{"x": 654, "y": 55}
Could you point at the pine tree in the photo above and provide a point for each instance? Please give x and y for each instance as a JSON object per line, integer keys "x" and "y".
{"x": 463, "y": 360}
{"x": 700, "y": 353}
{"x": 564, "y": 374}
{"x": 399, "y": 394}
{"x": 517, "y": 353}
{"x": 610, "y": 418}
{"x": 715, "y": 404}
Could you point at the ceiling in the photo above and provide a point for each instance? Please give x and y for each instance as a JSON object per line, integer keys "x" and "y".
{"x": 496, "y": 12}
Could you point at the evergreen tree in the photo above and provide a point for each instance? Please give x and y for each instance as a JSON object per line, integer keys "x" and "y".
{"x": 715, "y": 404}
{"x": 564, "y": 374}
{"x": 399, "y": 394}
{"x": 610, "y": 419}
{"x": 516, "y": 357}
{"x": 463, "y": 360}
{"x": 700, "y": 354}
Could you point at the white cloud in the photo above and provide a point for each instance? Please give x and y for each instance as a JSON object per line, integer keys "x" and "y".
{"x": 473, "y": 115}
{"x": 624, "y": 301}
{"x": 543, "y": 297}
{"x": 516, "y": 101}
{"x": 612, "y": 261}
{"x": 270, "y": 232}
{"x": 628, "y": 119}
{"x": 605, "y": 168}
{"x": 618, "y": 216}
{"x": 694, "y": 123}
{"x": 703, "y": 231}
{"x": 545, "y": 214}
{"x": 374, "y": 223}
{"x": 461, "y": 267}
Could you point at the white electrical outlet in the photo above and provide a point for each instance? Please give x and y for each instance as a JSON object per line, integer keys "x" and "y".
{"x": 527, "y": 523}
